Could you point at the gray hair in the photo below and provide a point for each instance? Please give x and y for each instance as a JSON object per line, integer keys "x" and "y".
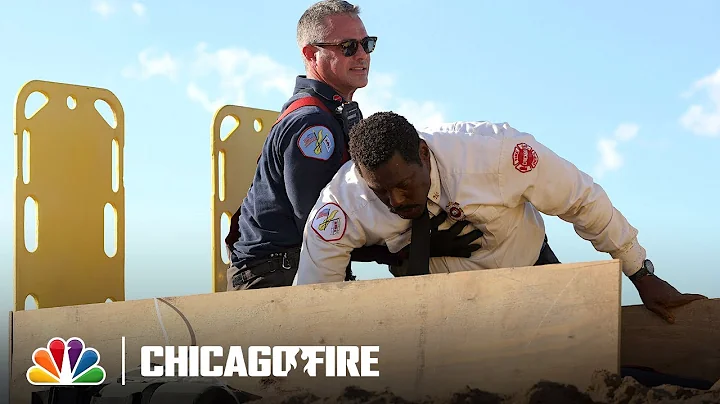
{"x": 312, "y": 25}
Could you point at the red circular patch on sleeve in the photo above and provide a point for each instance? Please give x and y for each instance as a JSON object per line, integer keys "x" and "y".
{"x": 524, "y": 158}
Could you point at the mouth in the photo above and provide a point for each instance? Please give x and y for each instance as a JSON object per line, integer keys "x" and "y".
{"x": 410, "y": 212}
{"x": 358, "y": 69}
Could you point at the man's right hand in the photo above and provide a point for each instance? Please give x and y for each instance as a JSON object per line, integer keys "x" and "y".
{"x": 447, "y": 243}
{"x": 659, "y": 296}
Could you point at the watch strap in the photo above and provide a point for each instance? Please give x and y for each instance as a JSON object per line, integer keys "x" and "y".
{"x": 641, "y": 273}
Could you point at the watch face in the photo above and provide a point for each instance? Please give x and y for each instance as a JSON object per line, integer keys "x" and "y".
{"x": 649, "y": 266}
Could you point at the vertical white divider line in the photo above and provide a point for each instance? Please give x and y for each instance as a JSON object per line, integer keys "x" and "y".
{"x": 122, "y": 370}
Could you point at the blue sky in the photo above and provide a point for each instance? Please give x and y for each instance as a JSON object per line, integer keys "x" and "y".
{"x": 628, "y": 92}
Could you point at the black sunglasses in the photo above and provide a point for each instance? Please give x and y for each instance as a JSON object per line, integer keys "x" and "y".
{"x": 350, "y": 46}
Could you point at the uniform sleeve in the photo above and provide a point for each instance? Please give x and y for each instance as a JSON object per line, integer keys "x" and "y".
{"x": 329, "y": 238}
{"x": 310, "y": 161}
{"x": 531, "y": 172}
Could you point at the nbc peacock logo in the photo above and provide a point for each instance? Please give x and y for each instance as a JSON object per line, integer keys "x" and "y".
{"x": 66, "y": 363}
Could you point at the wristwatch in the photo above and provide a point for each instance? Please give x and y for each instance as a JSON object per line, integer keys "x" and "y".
{"x": 647, "y": 269}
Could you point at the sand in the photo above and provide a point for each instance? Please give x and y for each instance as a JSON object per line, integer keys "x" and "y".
{"x": 606, "y": 388}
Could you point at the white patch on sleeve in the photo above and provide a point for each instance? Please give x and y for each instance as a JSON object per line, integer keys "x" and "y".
{"x": 330, "y": 222}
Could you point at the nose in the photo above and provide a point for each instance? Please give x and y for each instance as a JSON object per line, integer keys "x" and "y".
{"x": 360, "y": 54}
{"x": 397, "y": 198}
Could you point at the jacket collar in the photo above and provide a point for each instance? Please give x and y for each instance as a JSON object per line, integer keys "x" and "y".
{"x": 320, "y": 88}
{"x": 435, "y": 184}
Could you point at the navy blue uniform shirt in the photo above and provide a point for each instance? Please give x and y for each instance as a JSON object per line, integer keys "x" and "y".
{"x": 300, "y": 156}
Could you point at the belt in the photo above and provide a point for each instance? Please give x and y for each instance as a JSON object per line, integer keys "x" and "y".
{"x": 268, "y": 264}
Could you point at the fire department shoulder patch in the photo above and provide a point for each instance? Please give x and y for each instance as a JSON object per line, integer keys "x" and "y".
{"x": 317, "y": 142}
{"x": 330, "y": 222}
{"x": 524, "y": 158}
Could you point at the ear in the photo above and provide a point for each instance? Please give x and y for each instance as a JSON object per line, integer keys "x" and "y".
{"x": 309, "y": 53}
{"x": 424, "y": 153}
{"x": 358, "y": 170}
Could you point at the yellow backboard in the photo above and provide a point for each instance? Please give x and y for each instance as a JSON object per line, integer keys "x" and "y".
{"x": 69, "y": 197}
{"x": 234, "y": 159}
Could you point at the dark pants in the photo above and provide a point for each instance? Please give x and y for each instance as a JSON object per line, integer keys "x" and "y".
{"x": 651, "y": 378}
{"x": 274, "y": 271}
{"x": 547, "y": 256}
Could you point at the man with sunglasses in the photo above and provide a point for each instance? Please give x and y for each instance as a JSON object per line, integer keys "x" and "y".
{"x": 306, "y": 146}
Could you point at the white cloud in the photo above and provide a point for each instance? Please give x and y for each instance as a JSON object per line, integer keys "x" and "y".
{"x": 626, "y": 131}
{"x": 198, "y": 95}
{"x": 163, "y": 65}
{"x": 420, "y": 113}
{"x": 232, "y": 74}
{"x": 379, "y": 95}
{"x": 704, "y": 120}
{"x": 228, "y": 75}
{"x": 610, "y": 157}
{"x": 103, "y": 7}
{"x": 138, "y": 8}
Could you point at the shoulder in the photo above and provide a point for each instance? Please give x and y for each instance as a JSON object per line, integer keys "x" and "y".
{"x": 348, "y": 189}
{"x": 469, "y": 146}
{"x": 304, "y": 117}
{"x": 312, "y": 130}
{"x": 490, "y": 137}
{"x": 345, "y": 198}
{"x": 468, "y": 132}
{"x": 520, "y": 152}
{"x": 463, "y": 134}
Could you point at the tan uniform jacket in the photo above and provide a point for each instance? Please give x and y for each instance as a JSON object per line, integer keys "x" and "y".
{"x": 492, "y": 175}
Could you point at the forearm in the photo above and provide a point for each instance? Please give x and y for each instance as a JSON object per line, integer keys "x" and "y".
{"x": 619, "y": 239}
{"x": 595, "y": 219}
